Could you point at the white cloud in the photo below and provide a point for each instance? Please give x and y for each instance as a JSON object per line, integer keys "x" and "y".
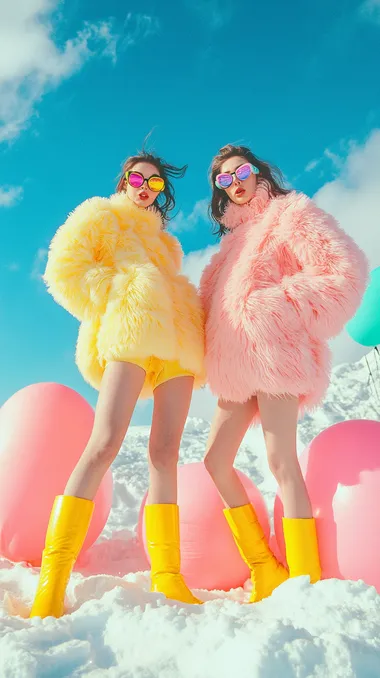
{"x": 195, "y": 262}
{"x": 39, "y": 264}
{"x": 213, "y": 13}
{"x": 188, "y": 223}
{"x": 312, "y": 165}
{"x": 32, "y": 61}
{"x": 335, "y": 159}
{"x": 353, "y": 197}
{"x": 138, "y": 27}
{"x": 10, "y": 195}
{"x": 371, "y": 10}
{"x": 110, "y": 40}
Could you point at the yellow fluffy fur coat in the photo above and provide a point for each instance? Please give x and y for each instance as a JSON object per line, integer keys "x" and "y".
{"x": 113, "y": 267}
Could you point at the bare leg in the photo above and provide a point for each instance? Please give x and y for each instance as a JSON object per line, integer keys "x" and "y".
{"x": 279, "y": 421}
{"x": 162, "y": 523}
{"x": 171, "y": 406}
{"x": 71, "y": 514}
{"x": 228, "y": 429}
{"x": 121, "y": 386}
{"x": 229, "y": 426}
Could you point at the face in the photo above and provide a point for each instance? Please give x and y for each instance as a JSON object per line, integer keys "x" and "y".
{"x": 239, "y": 192}
{"x": 143, "y": 196}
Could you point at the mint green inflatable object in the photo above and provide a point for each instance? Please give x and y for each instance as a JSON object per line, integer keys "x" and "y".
{"x": 364, "y": 327}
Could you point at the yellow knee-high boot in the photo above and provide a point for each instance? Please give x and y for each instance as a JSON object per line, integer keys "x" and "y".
{"x": 266, "y": 572}
{"x": 69, "y": 522}
{"x": 163, "y": 541}
{"x": 301, "y": 543}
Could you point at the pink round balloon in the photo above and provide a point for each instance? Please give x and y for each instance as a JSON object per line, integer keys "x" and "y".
{"x": 209, "y": 557}
{"x": 43, "y": 431}
{"x": 341, "y": 467}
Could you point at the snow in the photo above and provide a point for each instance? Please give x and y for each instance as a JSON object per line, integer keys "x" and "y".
{"x": 117, "y": 628}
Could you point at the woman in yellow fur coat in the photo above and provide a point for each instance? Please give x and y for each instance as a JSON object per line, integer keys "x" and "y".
{"x": 114, "y": 267}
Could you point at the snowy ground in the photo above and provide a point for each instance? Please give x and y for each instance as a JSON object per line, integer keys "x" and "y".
{"x": 118, "y": 628}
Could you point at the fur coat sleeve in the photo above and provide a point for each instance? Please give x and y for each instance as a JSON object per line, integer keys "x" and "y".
{"x": 80, "y": 261}
{"x": 333, "y": 271}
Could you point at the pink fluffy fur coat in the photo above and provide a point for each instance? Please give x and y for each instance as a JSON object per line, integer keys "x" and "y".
{"x": 285, "y": 280}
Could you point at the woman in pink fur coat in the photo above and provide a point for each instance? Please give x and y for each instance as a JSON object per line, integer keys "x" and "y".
{"x": 285, "y": 280}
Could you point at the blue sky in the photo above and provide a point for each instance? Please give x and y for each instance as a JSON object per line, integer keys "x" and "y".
{"x": 82, "y": 83}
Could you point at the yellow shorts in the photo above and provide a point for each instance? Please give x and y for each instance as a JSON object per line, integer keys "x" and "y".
{"x": 159, "y": 371}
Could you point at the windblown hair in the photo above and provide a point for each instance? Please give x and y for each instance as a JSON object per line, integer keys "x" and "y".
{"x": 165, "y": 201}
{"x": 268, "y": 174}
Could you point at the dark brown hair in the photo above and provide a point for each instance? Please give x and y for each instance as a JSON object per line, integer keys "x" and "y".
{"x": 165, "y": 201}
{"x": 268, "y": 174}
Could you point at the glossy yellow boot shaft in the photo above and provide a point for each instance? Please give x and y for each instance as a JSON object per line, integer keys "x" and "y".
{"x": 266, "y": 572}
{"x": 302, "y": 552}
{"x": 163, "y": 541}
{"x": 69, "y": 522}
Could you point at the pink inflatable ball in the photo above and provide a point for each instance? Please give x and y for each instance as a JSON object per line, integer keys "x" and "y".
{"x": 209, "y": 556}
{"x": 43, "y": 431}
{"x": 341, "y": 467}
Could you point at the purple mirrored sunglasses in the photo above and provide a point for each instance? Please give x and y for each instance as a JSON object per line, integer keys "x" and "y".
{"x": 225, "y": 180}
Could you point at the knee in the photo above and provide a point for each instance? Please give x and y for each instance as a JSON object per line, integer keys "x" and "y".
{"x": 213, "y": 466}
{"x": 163, "y": 454}
{"x": 104, "y": 449}
{"x": 283, "y": 469}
